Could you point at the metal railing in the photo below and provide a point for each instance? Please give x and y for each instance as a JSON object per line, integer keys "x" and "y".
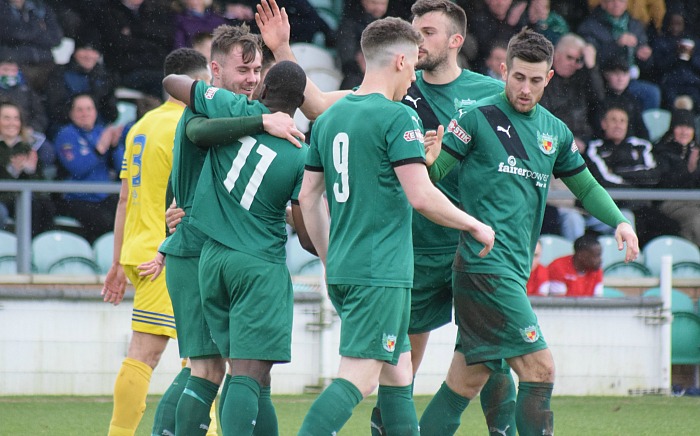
{"x": 23, "y": 217}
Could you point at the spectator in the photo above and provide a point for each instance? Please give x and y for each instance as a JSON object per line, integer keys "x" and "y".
{"x": 538, "y": 284}
{"x": 579, "y": 274}
{"x": 14, "y": 88}
{"x": 616, "y": 72}
{"x": 498, "y": 22}
{"x": 84, "y": 74}
{"x": 239, "y": 11}
{"x": 497, "y": 56}
{"x": 306, "y": 24}
{"x": 88, "y": 152}
{"x": 202, "y": 43}
{"x": 615, "y": 34}
{"x": 646, "y": 11}
{"x": 677, "y": 156}
{"x": 667, "y": 44}
{"x": 136, "y": 37}
{"x": 540, "y": 18}
{"x": 352, "y": 62}
{"x": 194, "y": 18}
{"x": 19, "y": 161}
{"x": 29, "y": 31}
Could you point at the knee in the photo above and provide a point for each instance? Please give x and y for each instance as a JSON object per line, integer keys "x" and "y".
{"x": 210, "y": 369}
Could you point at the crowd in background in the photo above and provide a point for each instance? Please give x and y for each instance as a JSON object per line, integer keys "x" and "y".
{"x": 614, "y": 59}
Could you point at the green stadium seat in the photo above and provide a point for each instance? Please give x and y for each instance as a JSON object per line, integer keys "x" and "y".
{"x": 609, "y": 292}
{"x": 8, "y": 265}
{"x": 611, "y": 254}
{"x": 657, "y": 122}
{"x": 103, "y": 251}
{"x": 297, "y": 257}
{"x": 554, "y": 246}
{"x": 53, "y": 246}
{"x": 680, "y": 249}
{"x": 74, "y": 266}
{"x": 312, "y": 268}
{"x": 680, "y": 301}
{"x": 622, "y": 269}
{"x": 8, "y": 243}
{"x": 685, "y": 339}
{"x": 686, "y": 269}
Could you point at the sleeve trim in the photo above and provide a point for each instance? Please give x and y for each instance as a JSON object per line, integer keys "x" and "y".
{"x": 408, "y": 161}
{"x": 570, "y": 173}
{"x": 314, "y": 169}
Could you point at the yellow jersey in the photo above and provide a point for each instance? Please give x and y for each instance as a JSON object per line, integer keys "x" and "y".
{"x": 148, "y": 159}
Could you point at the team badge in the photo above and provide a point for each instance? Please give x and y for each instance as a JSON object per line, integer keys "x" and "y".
{"x": 389, "y": 342}
{"x": 547, "y": 142}
{"x": 530, "y": 334}
{"x": 458, "y": 131}
{"x": 574, "y": 147}
{"x": 209, "y": 93}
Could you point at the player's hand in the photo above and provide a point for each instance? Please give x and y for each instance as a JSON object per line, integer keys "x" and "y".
{"x": 625, "y": 233}
{"x": 273, "y": 23}
{"x": 153, "y": 267}
{"x": 484, "y": 234}
{"x": 115, "y": 285}
{"x": 282, "y": 126}
{"x": 433, "y": 144}
{"x": 173, "y": 217}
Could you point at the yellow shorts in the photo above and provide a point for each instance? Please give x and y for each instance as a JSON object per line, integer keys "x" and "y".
{"x": 153, "y": 311}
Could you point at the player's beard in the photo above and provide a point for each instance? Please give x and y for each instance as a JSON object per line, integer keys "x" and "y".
{"x": 431, "y": 63}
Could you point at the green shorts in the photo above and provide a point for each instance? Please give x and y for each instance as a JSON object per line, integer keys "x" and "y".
{"x": 494, "y": 318}
{"x": 193, "y": 336}
{"x": 374, "y": 321}
{"x": 248, "y": 304}
{"x": 431, "y": 296}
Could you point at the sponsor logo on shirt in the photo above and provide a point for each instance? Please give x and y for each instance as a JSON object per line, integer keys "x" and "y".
{"x": 413, "y": 135}
{"x": 458, "y": 131}
{"x": 547, "y": 142}
{"x": 511, "y": 167}
{"x": 461, "y": 103}
{"x": 389, "y": 342}
{"x": 209, "y": 93}
{"x": 574, "y": 147}
{"x": 530, "y": 334}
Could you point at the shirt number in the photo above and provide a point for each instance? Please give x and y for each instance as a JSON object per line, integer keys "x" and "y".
{"x": 341, "y": 190}
{"x": 266, "y": 158}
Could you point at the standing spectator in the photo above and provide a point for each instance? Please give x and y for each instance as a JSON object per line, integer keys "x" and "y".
{"x": 29, "y": 32}
{"x": 14, "y": 88}
{"x": 677, "y": 156}
{"x": 614, "y": 34}
{"x": 136, "y": 37}
{"x": 87, "y": 152}
{"x": 579, "y": 274}
{"x": 84, "y": 74}
{"x": 538, "y": 283}
{"x": 497, "y": 56}
{"x": 194, "y": 18}
{"x": 616, "y": 72}
{"x": 540, "y": 18}
{"x": 666, "y": 45}
{"x": 352, "y": 61}
{"x": 498, "y": 22}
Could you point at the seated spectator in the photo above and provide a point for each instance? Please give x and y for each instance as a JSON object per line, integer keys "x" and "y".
{"x": 617, "y": 35}
{"x": 136, "y": 37}
{"x": 352, "y": 61}
{"x": 88, "y": 151}
{"x": 540, "y": 18}
{"x": 677, "y": 156}
{"x": 29, "y": 31}
{"x": 19, "y": 161}
{"x": 497, "y": 22}
{"x": 538, "y": 283}
{"x": 194, "y": 18}
{"x": 616, "y": 72}
{"x": 645, "y": 11}
{"x": 84, "y": 74}
{"x": 579, "y": 274}
{"x": 14, "y": 88}
{"x": 497, "y": 56}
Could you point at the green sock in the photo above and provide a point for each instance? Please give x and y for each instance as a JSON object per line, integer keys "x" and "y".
{"x": 399, "y": 412}
{"x": 241, "y": 406}
{"x": 498, "y": 403}
{"x": 332, "y": 409}
{"x": 376, "y": 426}
{"x": 532, "y": 412}
{"x": 195, "y": 405}
{"x": 444, "y": 413}
{"x": 222, "y": 397}
{"x": 266, "y": 423}
{"x": 164, "y": 421}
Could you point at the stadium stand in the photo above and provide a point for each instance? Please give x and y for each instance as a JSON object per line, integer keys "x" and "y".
{"x": 52, "y": 249}
{"x": 657, "y": 122}
{"x": 680, "y": 249}
{"x": 102, "y": 251}
{"x": 554, "y": 246}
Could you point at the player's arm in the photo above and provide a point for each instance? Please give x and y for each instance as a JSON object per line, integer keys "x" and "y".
{"x": 442, "y": 166}
{"x": 273, "y": 23}
{"x": 430, "y": 202}
{"x": 205, "y": 132}
{"x": 596, "y": 200}
{"x": 300, "y": 227}
{"x": 179, "y": 86}
{"x": 313, "y": 209}
{"x": 115, "y": 282}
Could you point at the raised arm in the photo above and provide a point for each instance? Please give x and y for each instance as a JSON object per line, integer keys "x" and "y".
{"x": 179, "y": 86}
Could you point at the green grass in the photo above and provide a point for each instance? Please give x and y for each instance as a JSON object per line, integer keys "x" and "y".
{"x": 579, "y": 416}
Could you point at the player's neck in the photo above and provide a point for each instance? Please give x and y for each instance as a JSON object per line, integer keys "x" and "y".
{"x": 377, "y": 84}
{"x": 443, "y": 74}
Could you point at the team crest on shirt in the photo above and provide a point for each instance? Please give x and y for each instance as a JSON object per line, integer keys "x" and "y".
{"x": 458, "y": 131}
{"x": 209, "y": 93}
{"x": 461, "y": 103}
{"x": 389, "y": 342}
{"x": 530, "y": 334}
{"x": 547, "y": 142}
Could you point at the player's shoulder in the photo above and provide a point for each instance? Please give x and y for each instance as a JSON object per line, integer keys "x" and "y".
{"x": 553, "y": 119}
{"x": 481, "y": 80}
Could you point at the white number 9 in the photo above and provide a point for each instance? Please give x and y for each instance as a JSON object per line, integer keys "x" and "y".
{"x": 341, "y": 143}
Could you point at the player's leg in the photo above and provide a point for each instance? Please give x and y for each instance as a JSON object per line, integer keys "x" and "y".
{"x": 536, "y": 374}
{"x": 193, "y": 414}
{"x": 497, "y": 399}
{"x": 153, "y": 324}
{"x": 164, "y": 419}
{"x": 396, "y": 397}
{"x": 240, "y": 410}
{"x": 266, "y": 424}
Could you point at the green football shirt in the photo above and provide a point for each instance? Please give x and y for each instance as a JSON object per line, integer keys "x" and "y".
{"x": 357, "y": 143}
{"x": 243, "y": 192}
{"x": 443, "y": 101}
{"x": 508, "y": 159}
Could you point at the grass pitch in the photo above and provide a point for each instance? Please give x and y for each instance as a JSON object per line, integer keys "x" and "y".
{"x": 577, "y": 416}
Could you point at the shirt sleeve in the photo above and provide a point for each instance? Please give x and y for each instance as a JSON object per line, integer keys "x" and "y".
{"x": 217, "y": 102}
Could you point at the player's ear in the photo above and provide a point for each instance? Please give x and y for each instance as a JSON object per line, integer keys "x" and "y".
{"x": 549, "y": 77}
{"x": 215, "y": 69}
{"x": 456, "y": 40}
{"x": 504, "y": 71}
{"x": 400, "y": 61}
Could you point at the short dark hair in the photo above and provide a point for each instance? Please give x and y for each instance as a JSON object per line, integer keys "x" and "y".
{"x": 385, "y": 32}
{"x": 283, "y": 87}
{"x": 184, "y": 61}
{"x": 529, "y": 46}
{"x": 225, "y": 37}
{"x": 453, "y": 11}
{"x": 586, "y": 242}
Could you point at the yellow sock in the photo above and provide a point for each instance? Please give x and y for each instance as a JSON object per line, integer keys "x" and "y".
{"x": 213, "y": 427}
{"x": 130, "y": 390}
